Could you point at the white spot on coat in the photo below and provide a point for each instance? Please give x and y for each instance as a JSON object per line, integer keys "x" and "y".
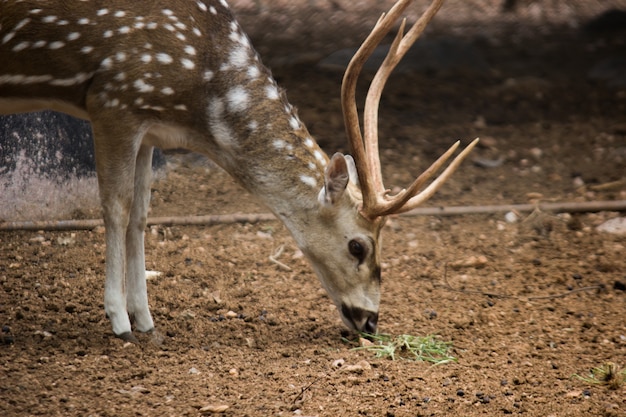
{"x": 188, "y": 63}
{"x": 107, "y": 34}
{"x": 253, "y": 72}
{"x": 190, "y": 50}
{"x": 168, "y": 91}
{"x": 208, "y": 75}
{"x": 102, "y": 12}
{"x": 146, "y": 58}
{"x": 21, "y": 24}
{"x": 21, "y": 46}
{"x": 308, "y": 180}
{"x": 79, "y": 78}
{"x": 56, "y": 45}
{"x": 142, "y": 86}
{"x": 238, "y": 58}
{"x": 202, "y": 6}
{"x": 83, "y": 21}
{"x": 237, "y": 99}
{"x": 221, "y": 131}
{"x": 164, "y": 58}
{"x": 294, "y": 123}
{"x": 49, "y": 19}
{"x": 73, "y": 36}
{"x": 106, "y": 63}
{"x": 279, "y": 144}
{"x": 271, "y": 92}
{"x": 120, "y": 13}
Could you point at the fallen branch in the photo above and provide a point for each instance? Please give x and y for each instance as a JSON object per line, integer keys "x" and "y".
{"x": 565, "y": 207}
{"x": 164, "y": 221}
{"x": 575, "y": 207}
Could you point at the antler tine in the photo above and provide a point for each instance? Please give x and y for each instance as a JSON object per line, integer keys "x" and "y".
{"x": 348, "y": 101}
{"x": 376, "y": 201}
{"x": 397, "y": 50}
{"x": 408, "y": 199}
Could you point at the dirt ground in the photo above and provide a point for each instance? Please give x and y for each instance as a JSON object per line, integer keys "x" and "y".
{"x": 527, "y": 305}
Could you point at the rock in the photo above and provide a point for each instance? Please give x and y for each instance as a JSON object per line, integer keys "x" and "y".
{"x": 363, "y": 342}
{"x": 471, "y": 262}
{"x": 511, "y": 217}
{"x": 616, "y": 226}
{"x": 213, "y": 408}
{"x": 338, "y": 363}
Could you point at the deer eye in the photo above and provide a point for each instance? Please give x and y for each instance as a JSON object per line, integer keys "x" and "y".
{"x": 357, "y": 249}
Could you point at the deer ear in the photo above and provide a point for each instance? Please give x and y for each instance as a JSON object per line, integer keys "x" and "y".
{"x": 352, "y": 172}
{"x": 336, "y": 179}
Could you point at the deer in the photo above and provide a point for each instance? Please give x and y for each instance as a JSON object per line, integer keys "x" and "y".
{"x": 183, "y": 74}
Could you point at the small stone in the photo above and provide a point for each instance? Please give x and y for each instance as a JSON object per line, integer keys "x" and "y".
{"x": 363, "y": 342}
{"x": 615, "y": 226}
{"x": 338, "y": 363}
{"x": 231, "y": 314}
{"x": 471, "y": 262}
{"x": 213, "y": 409}
{"x": 536, "y": 153}
{"x": 578, "y": 182}
{"x": 511, "y": 217}
{"x": 193, "y": 371}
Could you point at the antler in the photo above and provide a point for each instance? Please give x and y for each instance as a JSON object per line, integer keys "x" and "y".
{"x": 376, "y": 199}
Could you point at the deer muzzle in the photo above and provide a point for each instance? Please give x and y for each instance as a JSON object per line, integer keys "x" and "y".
{"x": 359, "y": 319}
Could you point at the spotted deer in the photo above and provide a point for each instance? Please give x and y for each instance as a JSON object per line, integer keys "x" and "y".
{"x": 183, "y": 74}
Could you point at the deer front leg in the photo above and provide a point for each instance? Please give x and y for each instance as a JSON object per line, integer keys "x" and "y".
{"x": 136, "y": 289}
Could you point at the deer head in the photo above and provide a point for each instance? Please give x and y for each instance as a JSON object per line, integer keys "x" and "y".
{"x": 354, "y": 200}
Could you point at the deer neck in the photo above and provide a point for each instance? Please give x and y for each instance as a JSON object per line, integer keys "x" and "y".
{"x": 257, "y": 137}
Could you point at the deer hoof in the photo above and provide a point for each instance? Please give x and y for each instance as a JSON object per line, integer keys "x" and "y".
{"x": 128, "y": 337}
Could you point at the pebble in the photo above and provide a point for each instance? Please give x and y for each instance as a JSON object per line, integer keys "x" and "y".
{"x": 213, "y": 408}
{"x": 231, "y": 314}
{"x": 338, "y": 363}
{"x": 616, "y": 226}
{"x": 511, "y": 217}
{"x": 357, "y": 368}
{"x": 471, "y": 262}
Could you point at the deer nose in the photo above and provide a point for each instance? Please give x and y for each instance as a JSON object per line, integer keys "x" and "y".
{"x": 360, "y": 319}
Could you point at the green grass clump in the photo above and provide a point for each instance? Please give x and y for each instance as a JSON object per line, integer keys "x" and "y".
{"x": 609, "y": 374}
{"x": 417, "y": 348}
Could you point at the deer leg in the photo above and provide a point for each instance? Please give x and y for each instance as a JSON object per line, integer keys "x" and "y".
{"x": 116, "y": 155}
{"x": 136, "y": 290}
